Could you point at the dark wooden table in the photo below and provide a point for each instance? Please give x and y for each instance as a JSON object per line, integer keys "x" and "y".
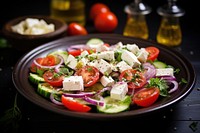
{"x": 183, "y": 117}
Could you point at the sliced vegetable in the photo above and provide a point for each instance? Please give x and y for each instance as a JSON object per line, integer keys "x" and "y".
{"x": 135, "y": 78}
{"x": 153, "y": 53}
{"x": 159, "y": 64}
{"x": 46, "y": 89}
{"x": 90, "y": 75}
{"x": 53, "y": 78}
{"x": 35, "y": 78}
{"x": 146, "y": 96}
{"x": 74, "y": 105}
{"x": 114, "y": 106}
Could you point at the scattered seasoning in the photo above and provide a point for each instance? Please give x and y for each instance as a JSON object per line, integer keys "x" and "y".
{"x": 198, "y": 89}
{"x": 193, "y": 126}
{"x": 175, "y": 128}
{"x": 1, "y": 69}
{"x": 191, "y": 52}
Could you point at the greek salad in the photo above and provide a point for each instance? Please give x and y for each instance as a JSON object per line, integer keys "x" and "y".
{"x": 104, "y": 78}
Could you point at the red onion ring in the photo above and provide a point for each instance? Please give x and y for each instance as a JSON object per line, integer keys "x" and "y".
{"x": 54, "y": 100}
{"x": 151, "y": 70}
{"x": 50, "y": 67}
{"x": 79, "y": 95}
{"x": 175, "y": 84}
{"x": 94, "y": 101}
{"x": 75, "y": 47}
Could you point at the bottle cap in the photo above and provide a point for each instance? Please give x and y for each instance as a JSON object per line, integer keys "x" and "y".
{"x": 171, "y": 9}
{"x": 137, "y": 7}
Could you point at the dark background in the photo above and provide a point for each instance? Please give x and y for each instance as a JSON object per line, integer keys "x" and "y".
{"x": 190, "y": 21}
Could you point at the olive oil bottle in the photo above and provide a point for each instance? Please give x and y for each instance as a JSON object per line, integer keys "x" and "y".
{"x": 68, "y": 10}
{"x": 169, "y": 32}
{"x": 136, "y": 25}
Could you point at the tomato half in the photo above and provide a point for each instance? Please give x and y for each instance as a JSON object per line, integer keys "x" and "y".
{"x": 153, "y": 53}
{"x": 135, "y": 78}
{"x": 73, "y": 105}
{"x": 98, "y": 8}
{"x": 78, "y": 52}
{"x": 106, "y": 22}
{"x": 76, "y": 29}
{"x": 90, "y": 75}
{"x": 53, "y": 79}
{"x": 146, "y": 97}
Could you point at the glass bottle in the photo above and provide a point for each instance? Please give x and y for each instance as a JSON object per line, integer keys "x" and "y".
{"x": 68, "y": 10}
{"x": 136, "y": 25}
{"x": 169, "y": 32}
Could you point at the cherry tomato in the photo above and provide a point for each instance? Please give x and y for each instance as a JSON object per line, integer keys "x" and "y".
{"x": 49, "y": 60}
{"x": 135, "y": 78}
{"x": 33, "y": 67}
{"x": 90, "y": 75}
{"x": 52, "y": 78}
{"x": 146, "y": 97}
{"x": 76, "y": 29}
{"x": 73, "y": 105}
{"x": 153, "y": 53}
{"x": 79, "y": 51}
{"x": 106, "y": 22}
{"x": 98, "y": 8}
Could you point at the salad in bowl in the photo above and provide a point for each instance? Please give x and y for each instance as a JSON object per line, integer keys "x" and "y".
{"x": 103, "y": 78}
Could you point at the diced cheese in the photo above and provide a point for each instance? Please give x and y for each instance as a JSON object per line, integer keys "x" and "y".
{"x": 130, "y": 58}
{"x": 142, "y": 55}
{"x": 119, "y": 91}
{"x": 71, "y": 62}
{"x": 104, "y": 67}
{"x": 165, "y": 72}
{"x": 84, "y": 53}
{"x": 73, "y": 83}
{"x": 133, "y": 48}
{"x": 122, "y": 65}
{"x": 107, "y": 55}
{"x": 106, "y": 81}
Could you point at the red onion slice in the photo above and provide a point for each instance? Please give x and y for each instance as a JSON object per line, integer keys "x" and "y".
{"x": 79, "y": 95}
{"x": 175, "y": 85}
{"x": 76, "y": 47}
{"x": 54, "y": 100}
{"x": 94, "y": 101}
{"x": 50, "y": 67}
{"x": 151, "y": 70}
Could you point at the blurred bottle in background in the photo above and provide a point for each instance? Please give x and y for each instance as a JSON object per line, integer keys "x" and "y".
{"x": 136, "y": 25}
{"x": 68, "y": 10}
{"x": 169, "y": 32}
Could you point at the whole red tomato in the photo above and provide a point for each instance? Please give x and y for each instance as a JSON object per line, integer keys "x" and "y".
{"x": 76, "y": 29}
{"x": 106, "y": 22}
{"x": 98, "y": 8}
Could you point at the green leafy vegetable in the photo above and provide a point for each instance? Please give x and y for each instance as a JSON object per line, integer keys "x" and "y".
{"x": 161, "y": 84}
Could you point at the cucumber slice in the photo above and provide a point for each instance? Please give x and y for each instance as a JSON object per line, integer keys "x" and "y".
{"x": 35, "y": 78}
{"x": 114, "y": 106}
{"x": 46, "y": 89}
{"x": 94, "y": 41}
{"x": 159, "y": 64}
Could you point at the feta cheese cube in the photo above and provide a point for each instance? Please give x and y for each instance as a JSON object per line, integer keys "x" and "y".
{"x": 122, "y": 65}
{"x": 82, "y": 62}
{"x": 130, "y": 58}
{"x": 84, "y": 53}
{"x": 142, "y": 55}
{"x": 119, "y": 91}
{"x": 73, "y": 83}
{"x": 133, "y": 48}
{"x": 106, "y": 81}
{"x": 107, "y": 55}
{"x": 165, "y": 72}
{"x": 71, "y": 62}
{"x": 104, "y": 67}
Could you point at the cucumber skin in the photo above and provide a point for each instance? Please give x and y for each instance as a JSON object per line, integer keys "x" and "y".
{"x": 122, "y": 106}
{"x": 35, "y": 78}
{"x": 159, "y": 64}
